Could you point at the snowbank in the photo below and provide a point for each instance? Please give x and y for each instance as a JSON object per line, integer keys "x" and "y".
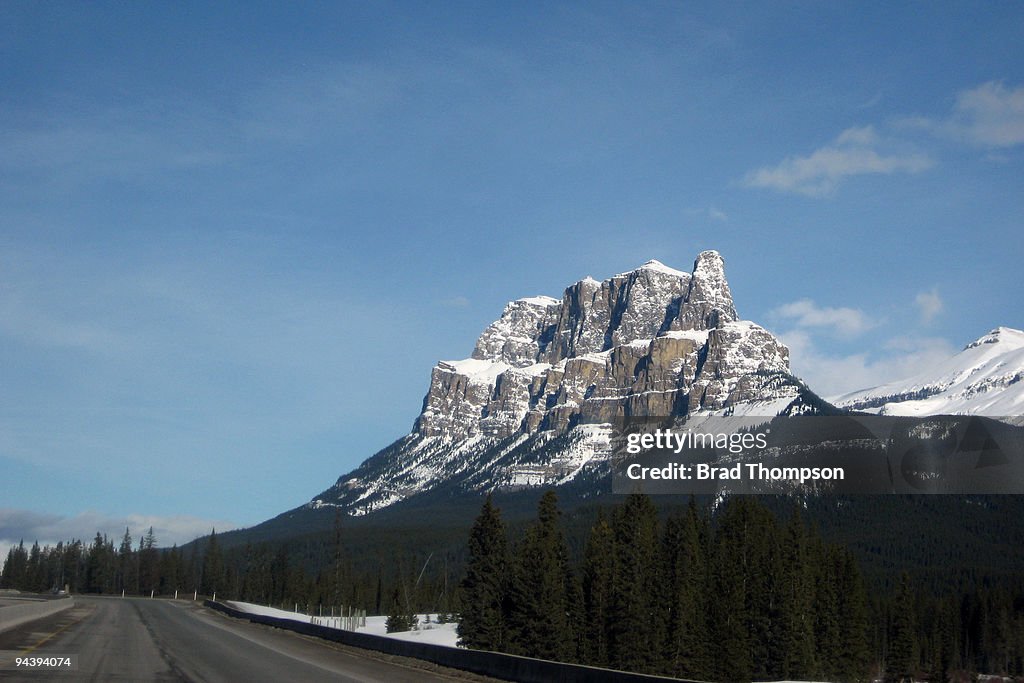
{"x": 428, "y": 631}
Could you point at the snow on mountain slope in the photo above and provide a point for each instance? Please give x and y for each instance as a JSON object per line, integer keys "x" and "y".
{"x": 534, "y": 404}
{"x": 986, "y": 378}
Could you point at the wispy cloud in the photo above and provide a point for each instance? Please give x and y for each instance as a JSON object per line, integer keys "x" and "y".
{"x": 825, "y": 355}
{"x": 990, "y": 115}
{"x": 712, "y": 213}
{"x": 818, "y": 174}
{"x": 807, "y": 314}
{"x": 83, "y": 143}
{"x": 833, "y": 374}
{"x": 929, "y": 305}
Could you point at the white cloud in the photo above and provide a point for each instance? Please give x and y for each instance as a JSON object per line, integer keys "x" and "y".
{"x": 864, "y": 135}
{"x": 48, "y": 529}
{"x": 806, "y": 314}
{"x": 851, "y": 154}
{"x": 929, "y": 304}
{"x": 990, "y": 115}
{"x": 831, "y": 374}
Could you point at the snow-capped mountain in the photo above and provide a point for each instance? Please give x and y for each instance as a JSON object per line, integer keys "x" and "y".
{"x": 985, "y": 378}
{"x": 533, "y": 404}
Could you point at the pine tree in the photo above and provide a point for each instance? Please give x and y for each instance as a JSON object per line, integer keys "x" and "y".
{"x": 96, "y": 567}
{"x": 214, "y": 575}
{"x": 744, "y": 587}
{"x": 598, "y": 572}
{"x": 149, "y": 564}
{"x": 35, "y": 572}
{"x": 854, "y": 654}
{"x": 539, "y": 623}
{"x": 171, "y": 570}
{"x": 903, "y": 645}
{"x": 379, "y": 593}
{"x": 400, "y": 617}
{"x": 797, "y": 609}
{"x": 826, "y": 619}
{"x": 685, "y": 577}
{"x": 636, "y": 629}
{"x": 15, "y": 568}
{"x": 280, "y": 571}
{"x": 127, "y": 565}
{"x": 484, "y": 588}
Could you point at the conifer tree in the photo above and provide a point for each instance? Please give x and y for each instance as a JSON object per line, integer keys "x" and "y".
{"x": 214, "y": 575}
{"x": 399, "y": 618}
{"x": 127, "y": 565}
{"x": 636, "y": 629}
{"x": 15, "y": 568}
{"x": 797, "y": 609}
{"x": 744, "y": 587}
{"x": 96, "y": 570}
{"x": 484, "y": 588}
{"x": 539, "y": 621}
{"x": 171, "y": 570}
{"x": 826, "y": 619}
{"x": 35, "y": 572}
{"x": 903, "y": 644}
{"x": 379, "y": 593}
{"x": 598, "y": 572}
{"x": 685, "y": 577}
{"x": 854, "y": 654}
{"x": 149, "y": 564}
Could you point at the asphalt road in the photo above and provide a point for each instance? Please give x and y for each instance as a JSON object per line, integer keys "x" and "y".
{"x": 138, "y": 639}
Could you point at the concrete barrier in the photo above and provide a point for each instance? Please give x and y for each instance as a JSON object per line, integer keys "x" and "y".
{"x": 493, "y": 664}
{"x": 12, "y": 616}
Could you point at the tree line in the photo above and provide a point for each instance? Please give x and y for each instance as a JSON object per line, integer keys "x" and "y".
{"x": 736, "y": 597}
{"x": 102, "y": 567}
{"x": 722, "y": 592}
{"x": 312, "y": 575}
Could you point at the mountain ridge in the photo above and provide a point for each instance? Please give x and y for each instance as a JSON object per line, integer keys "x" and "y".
{"x": 984, "y": 378}
{"x": 533, "y": 404}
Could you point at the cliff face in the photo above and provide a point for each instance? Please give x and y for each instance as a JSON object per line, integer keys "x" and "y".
{"x": 653, "y": 341}
{"x": 533, "y": 404}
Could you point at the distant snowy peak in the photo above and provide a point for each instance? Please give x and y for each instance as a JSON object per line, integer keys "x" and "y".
{"x": 1007, "y": 336}
{"x": 985, "y": 378}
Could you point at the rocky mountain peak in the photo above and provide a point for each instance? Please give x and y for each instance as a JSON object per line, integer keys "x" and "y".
{"x": 654, "y": 340}
{"x": 534, "y": 404}
{"x": 708, "y": 300}
{"x": 660, "y": 267}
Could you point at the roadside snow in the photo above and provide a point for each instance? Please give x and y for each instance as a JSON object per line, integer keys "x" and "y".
{"x": 429, "y": 632}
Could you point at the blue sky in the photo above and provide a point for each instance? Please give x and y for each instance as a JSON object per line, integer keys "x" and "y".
{"x": 235, "y": 239}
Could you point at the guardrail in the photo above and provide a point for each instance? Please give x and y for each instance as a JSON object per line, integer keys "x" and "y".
{"x": 12, "y": 616}
{"x": 493, "y": 664}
